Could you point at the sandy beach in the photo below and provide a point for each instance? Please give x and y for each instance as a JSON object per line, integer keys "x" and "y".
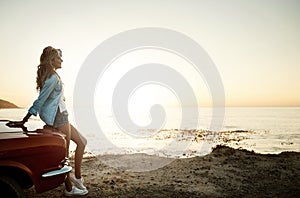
{"x": 226, "y": 172}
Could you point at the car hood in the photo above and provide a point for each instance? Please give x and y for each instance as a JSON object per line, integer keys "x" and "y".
{"x": 16, "y": 138}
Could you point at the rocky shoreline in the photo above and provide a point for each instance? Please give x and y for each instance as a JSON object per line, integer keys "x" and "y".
{"x": 226, "y": 172}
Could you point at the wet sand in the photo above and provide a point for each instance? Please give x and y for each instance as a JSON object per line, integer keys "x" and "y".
{"x": 226, "y": 172}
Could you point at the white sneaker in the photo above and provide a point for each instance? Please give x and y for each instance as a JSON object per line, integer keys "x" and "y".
{"x": 78, "y": 182}
{"x": 76, "y": 191}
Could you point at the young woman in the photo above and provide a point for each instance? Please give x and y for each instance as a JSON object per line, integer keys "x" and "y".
{"x": 52, "y": 110}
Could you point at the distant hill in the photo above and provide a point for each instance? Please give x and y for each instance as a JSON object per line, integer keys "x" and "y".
{"x": 6, "y": 104}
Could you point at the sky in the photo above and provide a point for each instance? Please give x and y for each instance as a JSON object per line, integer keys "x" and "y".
{"x": 255, "y": 45}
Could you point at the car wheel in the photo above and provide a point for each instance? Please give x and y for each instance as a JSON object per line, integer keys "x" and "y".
{"x": 10, "y": 188}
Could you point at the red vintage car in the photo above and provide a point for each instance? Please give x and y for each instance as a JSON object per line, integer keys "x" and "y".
{"x": 31, "y": 158}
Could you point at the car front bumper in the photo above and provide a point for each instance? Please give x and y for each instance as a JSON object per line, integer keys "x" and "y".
{"x": 65, "y": 169}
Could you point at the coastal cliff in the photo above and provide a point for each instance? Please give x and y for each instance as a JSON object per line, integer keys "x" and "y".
{"x": 5, "y": 104}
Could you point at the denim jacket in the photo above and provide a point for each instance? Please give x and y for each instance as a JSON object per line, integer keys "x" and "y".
{"x": 46, "y": 104}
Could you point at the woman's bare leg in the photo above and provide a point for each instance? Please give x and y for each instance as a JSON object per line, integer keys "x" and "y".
{"x": 72, "y": 134}
{"x": 68, "y": 182}
{"x": 67, "y": 131}
{"x": 81, "y": 143}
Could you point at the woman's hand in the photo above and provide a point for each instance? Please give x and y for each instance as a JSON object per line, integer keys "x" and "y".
{"x": 19, "y": 124}
{"x": 15, "y": 124}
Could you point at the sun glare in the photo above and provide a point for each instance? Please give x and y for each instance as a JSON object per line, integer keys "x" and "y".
{"x": 148, "y": 94}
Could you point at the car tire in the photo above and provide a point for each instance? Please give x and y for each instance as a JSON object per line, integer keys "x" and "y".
{"x": 10, "y": 188}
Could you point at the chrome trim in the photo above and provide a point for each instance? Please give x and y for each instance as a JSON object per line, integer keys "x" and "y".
{"x": 63, "y": 170}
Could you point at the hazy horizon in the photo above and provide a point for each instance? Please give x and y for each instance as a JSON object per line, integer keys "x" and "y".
{"x": 200, "y": 106}
{"x": 255, "y": 45}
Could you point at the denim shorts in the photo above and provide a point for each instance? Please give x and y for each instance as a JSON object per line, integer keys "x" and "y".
{"x": 61, "y": 118}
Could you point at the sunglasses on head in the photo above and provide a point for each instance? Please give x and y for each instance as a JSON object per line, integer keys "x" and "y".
{"x": 59, "y": 52}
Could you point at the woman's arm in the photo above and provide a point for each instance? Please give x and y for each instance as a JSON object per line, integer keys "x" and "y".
{"x": 48, "y": 87}
{"x": 25, "y": 119}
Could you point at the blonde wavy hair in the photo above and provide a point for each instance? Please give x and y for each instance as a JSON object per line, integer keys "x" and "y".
{"x": 45, "y": 68}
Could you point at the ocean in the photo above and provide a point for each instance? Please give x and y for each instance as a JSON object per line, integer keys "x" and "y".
{"x": 261, "y": 129}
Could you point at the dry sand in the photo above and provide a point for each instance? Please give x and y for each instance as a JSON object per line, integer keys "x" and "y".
{"x": 226, "y": 172}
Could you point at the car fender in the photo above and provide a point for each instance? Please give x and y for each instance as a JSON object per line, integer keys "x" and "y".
{"x": 8, "y": 163}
